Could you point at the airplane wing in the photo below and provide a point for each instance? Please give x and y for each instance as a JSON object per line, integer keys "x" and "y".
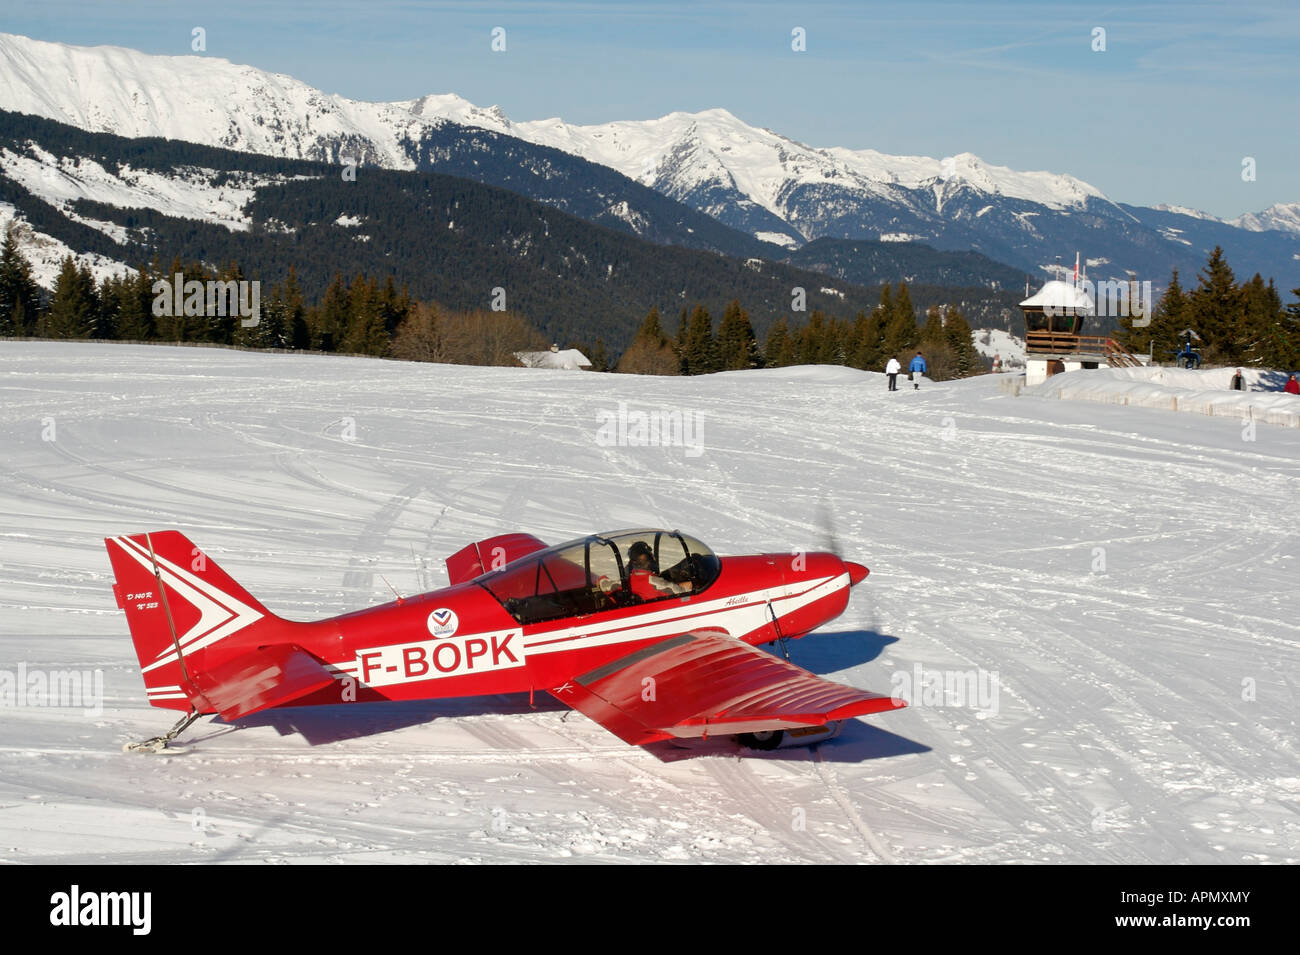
{"x": 266, "y": 677}
{"x": 708, "y": 683}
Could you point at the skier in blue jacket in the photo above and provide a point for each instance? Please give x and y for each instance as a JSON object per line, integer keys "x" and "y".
{"x": 917, "y": 369}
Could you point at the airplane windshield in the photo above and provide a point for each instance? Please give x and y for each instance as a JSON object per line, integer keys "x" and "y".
{"x": 602, "y": 572}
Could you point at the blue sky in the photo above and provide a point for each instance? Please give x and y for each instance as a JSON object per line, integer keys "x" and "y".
{"x": 1182, "y": 93}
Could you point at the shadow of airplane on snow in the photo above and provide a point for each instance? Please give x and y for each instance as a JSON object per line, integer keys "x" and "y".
{"x": 818, "y": 653}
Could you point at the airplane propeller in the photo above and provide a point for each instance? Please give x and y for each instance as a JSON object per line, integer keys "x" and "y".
{"x": 827, "y": 525}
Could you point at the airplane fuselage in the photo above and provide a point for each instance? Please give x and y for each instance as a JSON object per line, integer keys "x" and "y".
{"x": 461, "y": 641}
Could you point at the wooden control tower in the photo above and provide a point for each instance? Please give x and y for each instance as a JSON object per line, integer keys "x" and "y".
{"x": 1054, "y": 322}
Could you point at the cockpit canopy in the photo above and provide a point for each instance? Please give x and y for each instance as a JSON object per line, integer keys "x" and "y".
{"x": 594, "y": 574}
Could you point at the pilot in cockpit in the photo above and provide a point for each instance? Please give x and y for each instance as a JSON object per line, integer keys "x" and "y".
{"x": 643, "y": 579}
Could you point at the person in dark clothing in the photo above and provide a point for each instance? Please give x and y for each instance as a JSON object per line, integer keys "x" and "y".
{"x": 1238, "y": 381}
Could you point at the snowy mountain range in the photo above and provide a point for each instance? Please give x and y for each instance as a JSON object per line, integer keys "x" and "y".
{"x": 115, "y": 203}
{"x": 212, "y": 101}
{"x": 775, "y": 192}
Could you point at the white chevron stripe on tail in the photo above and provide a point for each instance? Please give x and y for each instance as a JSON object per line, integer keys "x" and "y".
{"x": 220, "y": 614}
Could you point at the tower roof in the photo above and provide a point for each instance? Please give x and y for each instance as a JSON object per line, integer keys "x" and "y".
{"x": 1060, "y": 295}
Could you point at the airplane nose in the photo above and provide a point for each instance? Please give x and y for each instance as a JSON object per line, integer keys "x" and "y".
{"x": 857, "y": 573}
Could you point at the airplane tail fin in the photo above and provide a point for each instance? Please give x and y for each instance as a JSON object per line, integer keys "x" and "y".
{"x": 178, "y": 605}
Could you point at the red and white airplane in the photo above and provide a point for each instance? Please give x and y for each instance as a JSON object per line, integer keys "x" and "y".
{"x": 647, "y": 632}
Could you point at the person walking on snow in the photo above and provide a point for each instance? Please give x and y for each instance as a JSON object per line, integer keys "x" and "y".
{"x": 1292, "y": 387}
{"x": 893, "y": 368}
{"x": 1238, "y": 381}
{"x": 916, "y": 369}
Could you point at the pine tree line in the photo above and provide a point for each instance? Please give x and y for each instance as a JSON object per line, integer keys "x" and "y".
{"x": 866, "y": 342}
{"x": 1238, "y": 323}
{"x": 361, "y": 316}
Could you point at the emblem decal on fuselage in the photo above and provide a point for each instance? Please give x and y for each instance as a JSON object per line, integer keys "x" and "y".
{"x": 443, "y": 622}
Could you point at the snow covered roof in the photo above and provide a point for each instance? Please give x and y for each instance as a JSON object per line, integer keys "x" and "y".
{"x": 1060, "y": 295}
{"x": 570, "y": 359}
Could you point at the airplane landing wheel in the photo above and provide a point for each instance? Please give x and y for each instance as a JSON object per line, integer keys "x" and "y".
{"x": 762, "y": 740}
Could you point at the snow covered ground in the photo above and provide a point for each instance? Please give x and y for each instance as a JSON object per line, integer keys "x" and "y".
{"x": 1201, "y": 391}
{"x": 1108, "y": 591}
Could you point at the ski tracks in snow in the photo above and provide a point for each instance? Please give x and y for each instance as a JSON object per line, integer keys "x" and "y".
{"x": 1123, "y": 734}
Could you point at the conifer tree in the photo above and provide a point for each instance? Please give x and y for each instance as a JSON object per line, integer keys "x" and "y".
{"x": 1290, "y": 323}
{"x": 140, "y": 321}
{"x": 776, "y": 346}
{"x": 736, "y": 338}
{"x": 393, "y": 305}
{"x": 169, "y": 326}
{"x": 181, "y": 327}
{"x": 959, "y": 341}
{"x": 133, "y": 306}
{"x": 1171, "y": 319}
{"x": 700, "y": 352}
{"x": 19, "y": 293}
{"x": 789, "y": 354}
{"x": 932, "y": 334}
{"x": 651, "y": 329}
{"x": 800, "y": 340}
{"x": 328, "y": 321}
{"x": 1159, "y": 338}
{"x": 73, "y": 306}
{"x": 854, "y": 335}
{"x": 867, "y": 350}
{"x": 1217, "y": 311}
{"x": 107, "y": 315}
{"x": 833, "y": 349}
{"x": 229, "y": 328}
{"x": 1268, "y": 342}
{"x": 297, "y": 334}
{"x": 900, "y": 330}
{"x": 270, "y": 330}
{"x": 365, "y": 333}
